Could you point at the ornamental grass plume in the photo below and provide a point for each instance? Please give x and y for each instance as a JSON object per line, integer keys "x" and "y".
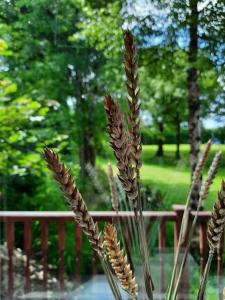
{"x": 119, "y": 261}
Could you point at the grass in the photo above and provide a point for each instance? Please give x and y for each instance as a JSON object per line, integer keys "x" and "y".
{"x": 169, "y": 176}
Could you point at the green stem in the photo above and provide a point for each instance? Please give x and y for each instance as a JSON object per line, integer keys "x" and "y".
{"x": 182, "y": 234}
{"x": 143, "y": 247}
{"x": 187, "y": 247}
{"x": 111, "y": 280}
{"x": 202, "y": 287}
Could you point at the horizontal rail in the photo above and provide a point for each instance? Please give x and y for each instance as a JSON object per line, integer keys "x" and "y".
{"x": 174, "y": 217}
{"x": 21, "y": 216}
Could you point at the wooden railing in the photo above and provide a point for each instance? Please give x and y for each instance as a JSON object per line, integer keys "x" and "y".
{"x": 10, "y": 220}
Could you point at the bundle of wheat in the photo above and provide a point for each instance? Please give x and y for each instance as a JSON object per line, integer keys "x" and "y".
{"x": 126, "y": 145}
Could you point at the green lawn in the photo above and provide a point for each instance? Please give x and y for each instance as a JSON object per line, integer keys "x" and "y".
{"x": 172, "y": 178}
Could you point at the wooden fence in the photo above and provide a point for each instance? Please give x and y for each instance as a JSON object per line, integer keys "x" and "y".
{"x": 12, "y": 218}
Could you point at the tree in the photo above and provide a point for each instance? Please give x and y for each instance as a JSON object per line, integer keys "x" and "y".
{"x": 49, "y": 65}
{"x": 164, "y": 94}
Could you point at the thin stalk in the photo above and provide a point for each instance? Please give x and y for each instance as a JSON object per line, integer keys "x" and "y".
{"x": 202, "y": 287}
{"x": 181, "y": 238}
{"x": 187, "y": 247}
{"x": 143, "y": 247}
{"x": 203, "y": 194}
{"x": 111, "y": 280}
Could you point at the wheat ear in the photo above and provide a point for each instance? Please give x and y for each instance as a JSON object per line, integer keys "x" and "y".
{"x": 119, "y": 261}
{"x": 203, "y": 194}
{"x": 185, "y": 220}
{"x": 112, "y": 185}
{"x": 214, "y": 233}
{"x": 120, "y": 143}
{"x": 82, "y": 216}
{"x": 131, "y": 70}
{"x": 75, "y": 200}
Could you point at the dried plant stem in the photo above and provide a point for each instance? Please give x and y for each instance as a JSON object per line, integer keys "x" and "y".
{"x": 185, "y": 219}
{"x": 113, "y": 284}
{"x": 202, "y": 287}
{"x": 203, "y": 194}
{"x": 82, "y": 216}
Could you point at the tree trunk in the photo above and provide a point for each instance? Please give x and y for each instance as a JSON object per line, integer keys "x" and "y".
{"x": 193, "y": 97}
{"x": 85, "y": 136}
{"x": 177, "y": 155}
{"x": 160, "y": 151}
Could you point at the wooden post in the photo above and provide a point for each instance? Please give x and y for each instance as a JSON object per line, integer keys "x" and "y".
{"x": 203, "y": 245}
{"x": 27, "y": 250}
{"x": 10, "y": 246}
{"x": 161, "y": 247}
{"x": 61, "y": 249}
{"x": 184, "y": 286}
{"x": 78, "y": 245}
{"x": 44, "y": 250}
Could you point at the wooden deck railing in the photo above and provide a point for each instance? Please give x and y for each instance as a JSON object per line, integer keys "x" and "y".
{"x": 10, "y": 220}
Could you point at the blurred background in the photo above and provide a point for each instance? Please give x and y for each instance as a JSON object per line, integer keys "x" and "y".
{"x": 57, "y": 61}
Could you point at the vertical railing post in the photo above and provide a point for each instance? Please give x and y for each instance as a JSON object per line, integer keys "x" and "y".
{"x": 184, "y": 286}
{"x": 27, "y": 251}
{"x": 44, "y": 249}
{"x": 61, "y": 249}
{"x": 10, "y": 246}
{"x": 220, "y": 266}
{"x": 78, "y": 245}
{"x": 203, "y": 244}
{"x": 161, "y": 246}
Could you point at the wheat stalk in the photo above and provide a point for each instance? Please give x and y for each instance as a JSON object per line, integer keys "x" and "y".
{"x": 120, "y": 143}
{"x": 112, "y": 185}
{"x": 82, "y": 216}
{"x": 185, "y": 219}
{"x": 131, "y": 70}
{"x": 203, "y": 194}
{"x": 214, "y": 232}
{"x": 119, "y": 261}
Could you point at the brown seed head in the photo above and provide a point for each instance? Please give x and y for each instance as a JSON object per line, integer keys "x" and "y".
{"x": 75, "y": 200}
{"x": 217, "y": 220}
{"x": 201, "y": 163}
{"x": 119, "y": 261}
{"x": 131, "y": 70}
{"x": 120, "y": 143}
{"x": 211, "y": 175}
